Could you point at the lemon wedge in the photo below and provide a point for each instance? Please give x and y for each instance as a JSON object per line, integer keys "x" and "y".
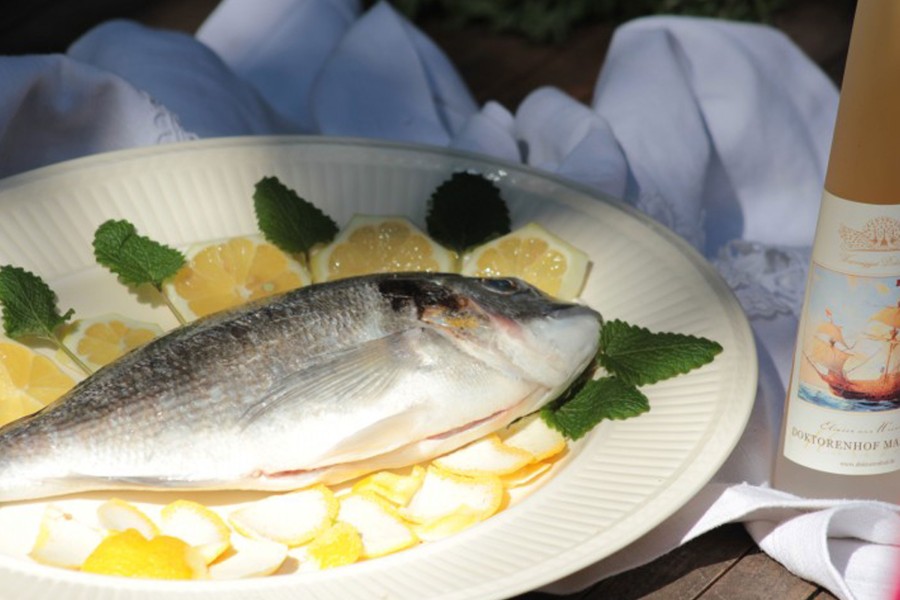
{"x": 487, "y": 456}
{"x": 291, "y": 519}
{"x": 100, "y": 340}
{"x": 197, "y": 525}
{"x": 379, "y": 524}
{"x": 129, "y": 554}
{"x": 228, "y": 273}
{"x": 63, "y": 540}
{"x": 28, "y": 381}
{"x": 532, "y": 435}
{"x": 459, "y": 519}
{"x": 119, "y": 515}
{"x": 392, "y": 486}
{"x": 374, "y": 244}
{"x": 526, "y": 475}
{"x": 338, "y": 545}
{"x": 443, "y": 493}
{"x": 532, "y": 254}
{"x": 248, "y": 558}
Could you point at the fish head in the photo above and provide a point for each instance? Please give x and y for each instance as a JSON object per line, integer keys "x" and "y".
{"x": 506, "y": 322}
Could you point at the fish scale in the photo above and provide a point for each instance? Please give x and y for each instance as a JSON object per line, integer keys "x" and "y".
{"x": 322, "y": 383}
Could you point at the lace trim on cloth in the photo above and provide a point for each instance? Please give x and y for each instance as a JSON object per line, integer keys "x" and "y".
{"x": 657, "y": 207}
{"x": 167, "y": 125}
{"x": 767, "y": 280}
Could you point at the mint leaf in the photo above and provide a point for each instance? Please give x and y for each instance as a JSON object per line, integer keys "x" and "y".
{"x": 634, "y": 356}
{"x": 289, "y": 221}
{"x": 466, "y": 210}
{"x": 29, "y": 305}
{"x": 598, "y": 399}
{"x": 639, "y": 356}
{"x": 134, "y": 258}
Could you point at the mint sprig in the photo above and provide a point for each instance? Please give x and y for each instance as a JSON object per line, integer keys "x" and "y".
{"x": 29, "y": 305}
{"x": 633, "y": 356}
{"x": 595, "y": 401}
{"x": 30, "y": 309}
{"x": 640, "y": 357}
{"x": 136, "y": 259}
{"x": 466, "y": 210}
{"x": 289, "y": 221}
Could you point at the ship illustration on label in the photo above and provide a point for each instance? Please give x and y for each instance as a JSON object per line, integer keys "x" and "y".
{"x": 851, "y": 342}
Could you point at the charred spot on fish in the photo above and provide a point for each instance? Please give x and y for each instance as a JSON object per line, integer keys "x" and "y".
{"x": 404, "y": 294}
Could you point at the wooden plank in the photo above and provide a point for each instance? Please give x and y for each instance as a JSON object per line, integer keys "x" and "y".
{"x": 758, "y": 577}
{"x": 683, "y": 573}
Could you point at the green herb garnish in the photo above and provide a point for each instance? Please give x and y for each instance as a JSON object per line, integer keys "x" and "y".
{"x": 30, "y": 310}
{"x": 466, "y": 210}
{"x": 639, "y": 356}
{"x": 595, "y": 401}
{"x": 287, "y": 220}
{"x": 135, "y": 259}
{"x": 634, "y": 356}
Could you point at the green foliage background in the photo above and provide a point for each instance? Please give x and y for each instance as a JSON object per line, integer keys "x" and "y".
{"x": 552, "y": 20}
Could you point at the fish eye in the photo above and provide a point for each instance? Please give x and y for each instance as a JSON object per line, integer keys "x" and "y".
{"x": 502, "y": 286}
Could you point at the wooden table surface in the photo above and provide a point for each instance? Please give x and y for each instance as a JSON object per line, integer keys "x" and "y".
{"x": 724, "y": 563}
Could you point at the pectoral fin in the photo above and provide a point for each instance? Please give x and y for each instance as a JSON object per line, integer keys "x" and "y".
{"x": 365, "y": 371}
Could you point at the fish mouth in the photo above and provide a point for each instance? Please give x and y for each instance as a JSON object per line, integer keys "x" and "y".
{"x": 571, "y": 309}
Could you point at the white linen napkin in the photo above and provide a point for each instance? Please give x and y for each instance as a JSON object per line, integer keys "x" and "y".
{"x": 48, "y": 113}
{"x": 718, "y": 130}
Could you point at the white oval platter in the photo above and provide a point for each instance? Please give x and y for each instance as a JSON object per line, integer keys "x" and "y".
{"x": 616, "y": 485}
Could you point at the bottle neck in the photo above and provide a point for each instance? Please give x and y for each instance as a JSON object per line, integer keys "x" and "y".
{"x": 864, "y": 165}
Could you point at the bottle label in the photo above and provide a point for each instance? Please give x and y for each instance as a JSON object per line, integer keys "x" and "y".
{"x": 843, "y": 411}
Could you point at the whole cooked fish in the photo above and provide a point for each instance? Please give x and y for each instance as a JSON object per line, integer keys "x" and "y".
{"x": 322, "y": 383}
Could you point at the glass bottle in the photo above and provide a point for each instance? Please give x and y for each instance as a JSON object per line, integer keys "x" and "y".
{"x": 841, "y": 429}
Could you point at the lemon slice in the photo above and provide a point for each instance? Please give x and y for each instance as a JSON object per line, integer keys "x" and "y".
{"x": 129, "y": 554}
{"x": 535, "y": 255}
{"x": 118, "y": 515}
{"x": 526, "y": 475}
{"x": 462, "y": 517}
{"x": 379, "y": 524}
{"x": 228, "y": 273}
{"x": 248, "y": 558}
{"x": 338, "y": 545}
{"x": 100, "y": 340}
{"x": 13, "y": 403}
{"x": 443, "y": 493}
{"x": 532, "y": 435}
{"x": 197, "y": 525}
{"x": 487, "y": 456}
{"x": 396, "y": 488}
{"x": 291, "y": 519}
{"x": 28, "y": 381}
{"x": 63, "y": 540}
{"x": 373, "y": 244}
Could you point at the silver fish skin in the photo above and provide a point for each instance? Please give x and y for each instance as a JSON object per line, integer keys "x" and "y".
{"x": 321, "y": 384}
